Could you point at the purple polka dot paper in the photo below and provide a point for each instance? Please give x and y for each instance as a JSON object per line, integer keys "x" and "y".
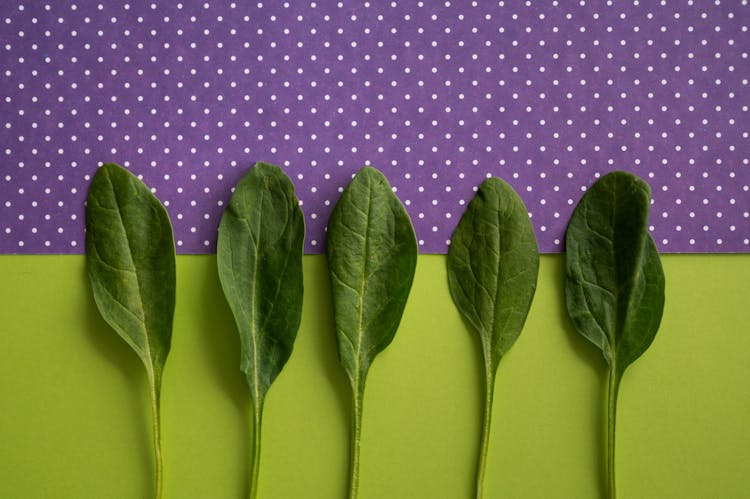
{"x": 438, "y": 95}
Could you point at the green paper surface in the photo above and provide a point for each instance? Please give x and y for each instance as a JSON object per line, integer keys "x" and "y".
{"x": 74, "y": 414}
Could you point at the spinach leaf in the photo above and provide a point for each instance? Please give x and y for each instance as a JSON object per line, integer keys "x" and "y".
{"x": 130, "y": 259}
{"x": 372, "y": 256}
{"x": 493, "y": 263}
{"x": 259, "y": 255}
{"x": 614, "y": 286}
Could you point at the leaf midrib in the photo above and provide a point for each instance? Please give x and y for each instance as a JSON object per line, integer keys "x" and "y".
{"x": 495, "y": 333}
{"x": 616, "y": 293}
{"x": 617, "y": 330}
{"x": 628, "y": 283}
{"x": 363, "y": 286}
{"x": 253, "y": 328}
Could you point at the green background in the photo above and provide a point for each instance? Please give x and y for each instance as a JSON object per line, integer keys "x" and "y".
{"x": 75, "y": 422}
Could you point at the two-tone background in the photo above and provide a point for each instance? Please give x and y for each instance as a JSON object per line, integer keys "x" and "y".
{"x": 438, "y": 95}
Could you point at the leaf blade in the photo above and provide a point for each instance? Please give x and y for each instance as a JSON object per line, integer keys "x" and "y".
{"x": 131, "y": 263}
{"x": 259, "y": 258}
{"x": 372, "y": 253}
{"x": 493, "y": 264}
{"x": 612, "y": 287}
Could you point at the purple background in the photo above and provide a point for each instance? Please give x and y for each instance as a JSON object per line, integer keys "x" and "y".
{"x": 547, "y": 95}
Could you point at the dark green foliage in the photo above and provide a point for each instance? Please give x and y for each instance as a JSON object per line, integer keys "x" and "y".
{"x": 372, "y": 256}
{"x": 493, "y": 264}
{"x": 259, "y": 255}
{"x": 614, "y": 285}
{"x": 130, "y": 260}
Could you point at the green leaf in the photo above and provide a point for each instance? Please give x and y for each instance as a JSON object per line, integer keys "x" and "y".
{"x": 130, "y": 259}
{"x": 493, "y": 263}
{"x": 259, "y": 256}
{"x": 372, "y": 256}
{"x": 614, "y": 286}
{"x": 614, "y": 281}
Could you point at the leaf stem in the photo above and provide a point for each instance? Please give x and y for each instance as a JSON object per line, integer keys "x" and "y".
{"x": 489, "y": 377}
{"x": 155, "y": 419}
{"x": 257, "y": 417}
{"x": 355, "y": 440}
{"x": 614, "y": 387}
